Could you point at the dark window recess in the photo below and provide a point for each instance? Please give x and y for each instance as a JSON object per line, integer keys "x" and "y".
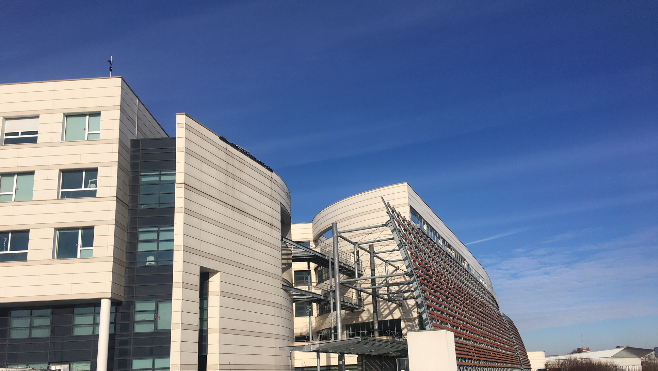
{"x": 325, "y": 334}
{"x": 324, "y": 308}
{"x": 322, "y": 274}
{"x": 203, "y": 320}
{"x": 157, "y": 188}
{"x": 391, "y": 328}
{"x": 302, "y": 278}
{"x": 303, "y": 309}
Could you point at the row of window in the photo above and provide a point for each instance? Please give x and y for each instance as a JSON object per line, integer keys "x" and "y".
{"x": 73, "y": 366}
{"x": 146, "y": 364}
{"x": 73, "y": 184}
{"x": 303, "y": 277}
{"x": 149, "y": 316}
{"x": 157, "y": 188}
{"x": 155, "y": 244}
{"x": 85, "y": 126}
{"x": 36, "y": 323}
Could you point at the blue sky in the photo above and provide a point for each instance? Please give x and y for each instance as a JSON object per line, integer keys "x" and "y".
{"x": 531, "y": 128}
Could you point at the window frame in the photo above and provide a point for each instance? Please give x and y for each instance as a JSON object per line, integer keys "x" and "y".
{"x": 309, "y": 308}
{"x": 21, "y": 134}
{"x": 84, "y": 174}
{"x": 157, "y": 314}
{"x": 158, "y": 241}
{"x": 307, "y": 274}
{"x": 78, "y": 245}
{"x": 31, "y": 322}
{"x": 15, "y": 186}
{"x": 144, "y": 192}
{"x": 86, "y": 129}
{"x": 9, "y": 251}
{"x": 95, "y": 312}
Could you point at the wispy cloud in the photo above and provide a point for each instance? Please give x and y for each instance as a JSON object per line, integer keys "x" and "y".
{"x": 500, "y": 235}
{"x": 615, "y": 279}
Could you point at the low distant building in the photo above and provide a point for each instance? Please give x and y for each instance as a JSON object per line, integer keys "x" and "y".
{"x": 537, "y": 360}
{"x": 629, "y": 358}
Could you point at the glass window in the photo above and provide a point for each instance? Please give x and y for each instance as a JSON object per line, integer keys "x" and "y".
{"x": 303, "y": 309}
{"x": 79, "y": 183}
{"x": 13, "y": 245}
{"x": 155, "y": 246}
{"x": 151, "y": 316}
{"x": 322, "y": 274}
{"x": 157, "y": 188}
{"x": 155, "y": 364}
{"x": 29, "y": 323}
{"x": 75, "y": 243}
{"x": 80, "y": 366}
{"x": 86, "y": 320}
{"x": 21, "y": 130}
{"x": 86, "y": 126}
{"x": 302, "y": 278}
{"x": 16, "y": 187}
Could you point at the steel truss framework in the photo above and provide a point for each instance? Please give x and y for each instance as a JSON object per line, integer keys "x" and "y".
{"x": 449, "y": 297}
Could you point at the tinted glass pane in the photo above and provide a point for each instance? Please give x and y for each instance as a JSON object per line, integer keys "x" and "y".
{"x": 149, "y": 199}
{"x": 91, "y": 179}
{"x": 6, "y": 198}
{"x": 168, "y": 176}
{"x": 40, "y": 332}
{"x": 144, "y": 316}
{"x": 13, "y": 257}
{"x": 86, "y": 253}
{"x": 167, "y": 245}
{"x": 167, "y": 198}
{"x": 20, "y": 322}
{"x": 144, "y": 327}
{"x": 83, "y": 330}
{"x": 144, "y": 305}
{"x": 20, "y": 140}
{"x": 83, "y": 319}
{"x": 19, "y": 333}
{"x": 41, "y": 312}
{"x": 72, "y": 179}
{"x": 164, "y": 315}
{"x": 78, "y": 194}
{"x": 75, "y": 127}
{"x": 87, "y": 237}
{"x": 142, "y": 363}
{"x": 24, "y": 187}
{"x": 20, "y": 313}
{"x": 80, "y": 366}
{"x": 150, "y": 178}
{"x": 94, "y": 122}
{"x": 67, "y": 244}
{"x": 93, "y": 136}
{"x": 4, "y": 241}
{"x": 19, "y": 241}
{"x": 86, "y": 310}
{"x": 168, "y": 188}
{"x": 166, "y": 255}
{"x": 166, "y": 233}
{"x": 148, "y": 234}
{"x": 162, "y": 362}
{"x": 147, "y": 246}
{"x": 149, "y": 188}
{"x": 40, "y": 321}
{"x": 7, "y": 183}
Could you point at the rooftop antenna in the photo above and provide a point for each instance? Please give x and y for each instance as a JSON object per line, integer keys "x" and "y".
{"x": 110, "y": 62}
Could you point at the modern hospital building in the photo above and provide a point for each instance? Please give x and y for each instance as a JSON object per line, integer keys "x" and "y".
{"x": 122, "y": 248}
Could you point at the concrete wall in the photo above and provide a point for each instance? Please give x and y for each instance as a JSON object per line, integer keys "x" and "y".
{"x": 41, "y": 277}
{"x": 228, "y": 220}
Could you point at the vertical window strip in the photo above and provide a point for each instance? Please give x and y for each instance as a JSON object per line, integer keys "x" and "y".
{"x": 86, "y": 320}
{"x": 78, "y": 183}
{"x": 157, "y": 188}
{"x": 152, "y": 316}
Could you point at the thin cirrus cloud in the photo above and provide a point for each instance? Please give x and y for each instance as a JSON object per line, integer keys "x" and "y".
{"x": 566, "y": 286}
{"x": 500, "y": 235}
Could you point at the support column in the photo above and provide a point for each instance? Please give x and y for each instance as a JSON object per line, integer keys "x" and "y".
{"x": 373, "y": 283}
{"x": 103, "y": 335}
{"x": 339, "y": 320}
